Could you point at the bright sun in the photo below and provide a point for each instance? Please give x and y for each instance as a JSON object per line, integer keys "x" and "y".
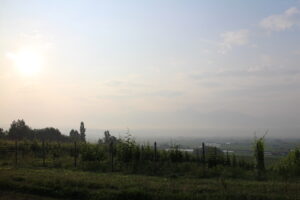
{"x": 28, "y": 61}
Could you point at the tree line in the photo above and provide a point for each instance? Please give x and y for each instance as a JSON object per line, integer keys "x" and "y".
{"x": 19, "y": 130}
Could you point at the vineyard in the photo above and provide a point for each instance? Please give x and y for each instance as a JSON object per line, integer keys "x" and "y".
{"x": 119, "y": 156}
{"x": 125, "y": 155}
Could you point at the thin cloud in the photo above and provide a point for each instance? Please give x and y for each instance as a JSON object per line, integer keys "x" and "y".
{"x": 234, "y": 38}
{"x": 282, "y": 22}
{"x": 262, "y": 71}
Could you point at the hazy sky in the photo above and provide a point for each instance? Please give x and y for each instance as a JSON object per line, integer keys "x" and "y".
{"x": 226, "y": 67}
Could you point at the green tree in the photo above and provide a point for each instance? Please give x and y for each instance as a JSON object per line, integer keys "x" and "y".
{"x": 259, "y": 154}
{"x": 259, "y": 145}
{"x": 2, "y": 133}
{"x": 50, "y": 134}
{"x": 74, "y": 135}
{"x": 108, "y": 138}
{"x": 19, "y": 130}
{"x": 82, "y": 132}
{"x": 289, "y": 166}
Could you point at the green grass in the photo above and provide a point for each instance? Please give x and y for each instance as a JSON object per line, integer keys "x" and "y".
{"x": 25, "y": 183}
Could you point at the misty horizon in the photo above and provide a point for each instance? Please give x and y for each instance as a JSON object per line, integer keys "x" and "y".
{"x": 174, "y": 69}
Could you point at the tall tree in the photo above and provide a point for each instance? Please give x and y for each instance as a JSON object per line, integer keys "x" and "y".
{"x": 108, "y": 138}
{"x": 82, "y": 132}
{"x": 74, "y": 135}
{"x": 2, "y": 133}
{"x": 19, "y": 130}
{"x": 259, "y": 154}
{"x": 259, "y": 145}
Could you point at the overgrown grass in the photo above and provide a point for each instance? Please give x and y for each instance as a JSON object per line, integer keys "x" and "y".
{"x": 70, "y": 184}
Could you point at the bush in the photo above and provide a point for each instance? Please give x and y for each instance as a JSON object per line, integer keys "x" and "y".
{"x": 289, "y": 166}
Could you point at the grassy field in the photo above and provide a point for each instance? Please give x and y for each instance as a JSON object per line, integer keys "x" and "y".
{"x": 49, "y": 184}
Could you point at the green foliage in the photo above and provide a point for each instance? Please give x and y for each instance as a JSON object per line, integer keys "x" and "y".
{"x": 74, "y": 135}
{"x": 19, "y": 130}
{"x": 175, "y": 154}
{"x": 49, "y": 134}
{"x": 259, "y": 154}
{"x": 108, "y": 138}
{"x": 289, "y": 166}
{"x": 92, "y": 152}
{"x": 2, "y": 133}
{"x": 82, "y": 132}
{"x": 126, "y": 156}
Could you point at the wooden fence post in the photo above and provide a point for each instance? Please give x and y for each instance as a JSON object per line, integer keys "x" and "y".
{"x": 16, "y": 152}
{"x": 215, "y": 157}
{"x": 227, "y": 158}
{"x": 44, "y": 155}
{"x": 75, "y": 154}
{"x": 112, "y": 155}
{"x": 203, "y": 153}
{"x": 155, "y": 152}
{"x": 198, "y": 155}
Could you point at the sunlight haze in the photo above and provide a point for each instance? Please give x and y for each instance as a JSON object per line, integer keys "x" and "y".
{"x": 184, "y": 68}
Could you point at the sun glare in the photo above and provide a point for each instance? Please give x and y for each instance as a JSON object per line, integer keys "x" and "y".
{"x": 27, "y": 61}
